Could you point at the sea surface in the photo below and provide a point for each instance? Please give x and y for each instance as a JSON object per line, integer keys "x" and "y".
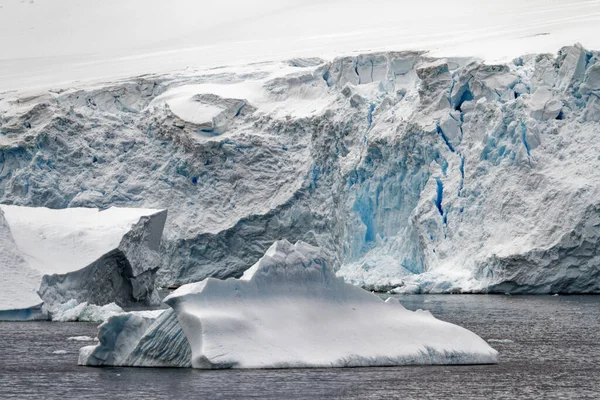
{"x": 549, "y": 349}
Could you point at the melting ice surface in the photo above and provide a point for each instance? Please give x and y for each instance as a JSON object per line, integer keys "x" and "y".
{"x": 288, "y": 310}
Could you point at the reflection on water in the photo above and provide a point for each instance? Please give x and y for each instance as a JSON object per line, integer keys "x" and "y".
{"x": 549, "y": 348}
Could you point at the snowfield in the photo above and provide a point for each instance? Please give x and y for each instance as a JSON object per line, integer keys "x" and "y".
{"x": 465, "y": 163}
{"x": 77, "y": 255}
{"x": 288, "y": 310}
{"x": 413, "y": 173}
{"x": 81, "y": 44}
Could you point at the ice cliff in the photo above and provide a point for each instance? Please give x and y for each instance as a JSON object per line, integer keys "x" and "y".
{"x": 289, "y": 310}
{"x": 414, "y": 174}
{"x": 77, "y": 255}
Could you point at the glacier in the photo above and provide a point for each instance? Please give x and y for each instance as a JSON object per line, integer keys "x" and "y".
{"x": 289, "y": 310}
{"x": 52, "y": 260}
{"x": 414, "y": 174}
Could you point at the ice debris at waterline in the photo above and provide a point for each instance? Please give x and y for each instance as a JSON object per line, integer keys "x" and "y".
{"x": 81, "y": 339}
{"x": 80, "y": 254}
{"x": 414, "y": 174}
{"x": 71, "y": 311}
{"x": 289, "y": 310}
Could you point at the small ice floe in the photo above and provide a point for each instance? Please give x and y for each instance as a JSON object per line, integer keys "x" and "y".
{"x": 505, "y": 341}
{"x": 59, "y": 352}
{"x": 81, "y": 339}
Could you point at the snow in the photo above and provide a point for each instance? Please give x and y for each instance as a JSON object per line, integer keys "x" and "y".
{"x": 289, "y": 310}
{"x": 268, "y": 96}
{"x": 73, "y": 254}
{"x": 16, "y": 269}
{"x": 156, "y": 37}
{"x": 118, "y": 337}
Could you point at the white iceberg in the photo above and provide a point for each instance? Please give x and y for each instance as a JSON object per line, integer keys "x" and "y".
{"x": 80, "y": 254}
{"x": 289, "y": 310}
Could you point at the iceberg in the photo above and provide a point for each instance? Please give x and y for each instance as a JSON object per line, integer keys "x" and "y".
{"x": 139, "y": 339}
{"x": 80, "y": 255}
{"x": 18, "y": 297}
{"x": 289, "y": 310}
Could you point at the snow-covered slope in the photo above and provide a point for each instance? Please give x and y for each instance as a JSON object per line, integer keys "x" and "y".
{"x": 413, "y": 173}
{"x": 80, "y": 41}
{"x": 79, "y": 253}
{"x": 289, "y": 310}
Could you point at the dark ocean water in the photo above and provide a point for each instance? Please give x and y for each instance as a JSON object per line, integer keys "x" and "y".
{"x": 550, "y": 349}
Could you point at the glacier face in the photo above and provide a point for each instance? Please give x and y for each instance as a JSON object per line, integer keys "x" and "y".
{"x": 77, "y": 255}
{"x": 414, "y": 174}
{"x": 288, "y": 310}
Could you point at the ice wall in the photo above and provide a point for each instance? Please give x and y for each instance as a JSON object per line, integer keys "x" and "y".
{"x": 413, "y": 174}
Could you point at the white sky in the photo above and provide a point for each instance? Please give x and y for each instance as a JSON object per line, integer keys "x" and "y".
{"x": 49, "y": 42}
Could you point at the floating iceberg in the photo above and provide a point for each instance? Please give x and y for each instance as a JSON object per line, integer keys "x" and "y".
{"x": 289, "y": 310}
{"x": 81, "y": 339}
{"x": 139, "y": 339}
{"x": 79, "y": 254}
